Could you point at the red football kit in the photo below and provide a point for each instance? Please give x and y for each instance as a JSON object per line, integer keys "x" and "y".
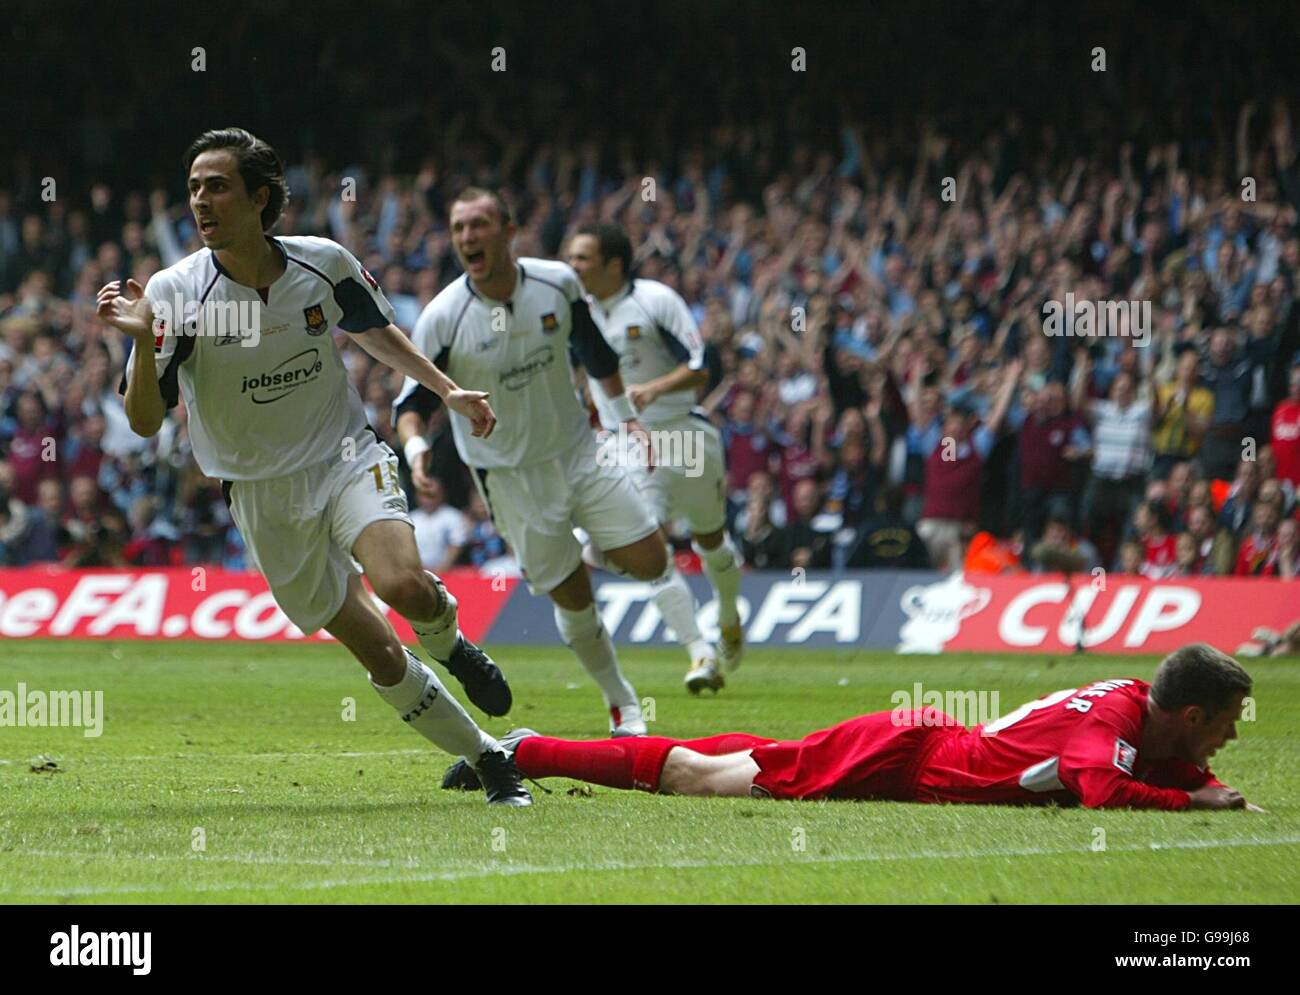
{"x": 1080, "y": 745}
{"x": 1077, "y": 746}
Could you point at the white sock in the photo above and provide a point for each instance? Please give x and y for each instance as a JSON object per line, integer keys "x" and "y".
{"x": 438, "y": 636}
{"x": 722, "y": 567}
{"x": 422, "y": 701}
{"x": 673, "y": 597}
{"x": 586, "y": 636}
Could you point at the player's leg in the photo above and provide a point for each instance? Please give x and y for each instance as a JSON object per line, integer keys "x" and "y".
{"x": 669, "y": 591}
{"x": 368, "y": 518}
{"x": 686, "y": 772}
{"x": 531, "y": 507}
{"x": 583, "y": 632}
{"x": 700, "y": 496}
{"x": 673, "y": 598}
{"x": 285, "y": 525}
{"x": 645, "y": 763}
{"x": 387, "y": 553}
{"x": 417, "y": 695}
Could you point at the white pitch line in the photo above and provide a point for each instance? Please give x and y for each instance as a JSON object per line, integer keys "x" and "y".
{"x": 512, "y": 870}
{"x": 163, "y": 757}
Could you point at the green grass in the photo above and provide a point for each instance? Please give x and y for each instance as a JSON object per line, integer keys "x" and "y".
{"x": 247, "y": 743}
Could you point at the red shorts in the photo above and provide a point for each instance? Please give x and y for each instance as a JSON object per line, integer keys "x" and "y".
{"x": 872, "y": 756}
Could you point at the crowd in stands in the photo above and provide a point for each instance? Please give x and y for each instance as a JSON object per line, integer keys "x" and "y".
{"x": 889, "y": 363}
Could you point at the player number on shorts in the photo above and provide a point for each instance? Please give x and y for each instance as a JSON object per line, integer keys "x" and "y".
{"x": 1009, "y": 720}
{"x": 380, "y": 477}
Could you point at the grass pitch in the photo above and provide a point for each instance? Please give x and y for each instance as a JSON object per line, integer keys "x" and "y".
{"x": 228, "y": 773}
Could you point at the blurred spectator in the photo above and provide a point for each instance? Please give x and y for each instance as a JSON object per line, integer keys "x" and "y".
{"x": 1052, "y": 440}
{"x": 885, "y": 540}
{"x": 1285, "y": 434}
{"x": 1229, "y": 371}
{"x": 805, "y": 541}
{"x": 441, "y": 531}
{"x": 1288, "y": 549}
{"x": 484, "y": 547}
{"x": 953, "y": 472}
{"x": 1257, "y": 555}
{"x": 1182, "y": 415}
{"x": 1159, "y": 558}
{"x": 1060, "y": 550}
{"x": 1121, "y": 457}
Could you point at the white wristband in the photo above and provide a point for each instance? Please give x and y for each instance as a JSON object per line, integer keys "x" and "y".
{"x": 621, "y": 408}
{"x": 414, "y": 448}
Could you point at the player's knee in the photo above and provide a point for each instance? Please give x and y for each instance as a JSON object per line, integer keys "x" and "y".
{"x": 410, "y": 593}
{"x": 647, "y": 560}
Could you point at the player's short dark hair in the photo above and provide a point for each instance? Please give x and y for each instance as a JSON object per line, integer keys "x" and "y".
{"x": 477, "y": 193}
{"x": 613, "y": 242}
{"x": 1198, "y": 674}
{"x": 259, "y": 166}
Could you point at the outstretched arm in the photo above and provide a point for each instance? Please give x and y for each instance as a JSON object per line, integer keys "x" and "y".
{"x": 391, "y": 347}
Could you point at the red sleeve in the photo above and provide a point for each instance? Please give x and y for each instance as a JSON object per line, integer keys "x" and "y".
{"x": 1180, "y": 774}
{"x": 1098, "y": 762}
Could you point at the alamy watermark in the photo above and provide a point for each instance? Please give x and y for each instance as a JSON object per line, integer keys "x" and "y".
{"x": 676, "y": 448}
{"x": 921, "y": 706}
{"x": 1098, "y": 319}
{"x": 71, "y": 709}
{"x": 229, "y": 322}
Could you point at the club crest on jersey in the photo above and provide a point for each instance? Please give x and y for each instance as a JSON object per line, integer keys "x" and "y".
{"x": 1125, "y": 756}
{"x": 160, "y": 327}
{"x": 315, "y": 316}
{"x": 633, "y": 331}
{"x": 549, "y": 322}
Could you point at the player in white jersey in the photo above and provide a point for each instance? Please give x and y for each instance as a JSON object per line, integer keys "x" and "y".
{"x": 240, "y": 331}
{"x": 661, "y": 357}
{"x": 508, "y": 326}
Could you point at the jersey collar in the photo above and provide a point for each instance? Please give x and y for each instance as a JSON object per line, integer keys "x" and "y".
{"x": 607, "y": 304}
{"x": 509, "y": 304}
{"x": 275, "y": 244}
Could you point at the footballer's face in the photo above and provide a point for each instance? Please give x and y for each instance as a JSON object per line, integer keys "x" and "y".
{"x": 1202, "y": 736}
{"x": 592, "y": 268}
{"x": 222, "y": 208}
{"x": 481, "y": 241}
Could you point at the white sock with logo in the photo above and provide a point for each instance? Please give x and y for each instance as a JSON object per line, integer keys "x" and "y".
{"x": 722, "y": 567}
{"x": 583, "y": 632}
{"x": 672, "y": 596}
{"x": 439, "y": 635}
{"x": 423, "y": 703}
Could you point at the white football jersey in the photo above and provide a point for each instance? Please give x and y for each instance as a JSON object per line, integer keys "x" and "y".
{"x": 517, "y": 351}
{"x": 263, "y": 383}
{"x": 653, "y": 331}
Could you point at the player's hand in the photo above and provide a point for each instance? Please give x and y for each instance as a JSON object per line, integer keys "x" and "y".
{"x": 473, "y": 404}
{"x": 130, "y": 314}
{"x": 420, "y": 477}
{"x": 641, "y": 440}
{"x": 642, "y": 395}
{"x": 1217, "y": 798}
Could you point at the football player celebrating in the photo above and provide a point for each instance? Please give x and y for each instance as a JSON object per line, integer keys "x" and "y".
{"x": 271, "y": 413}
{"x": 508, "y": 325}
{"x": 661, "y": 359}
{"x": 1117, "y": 743}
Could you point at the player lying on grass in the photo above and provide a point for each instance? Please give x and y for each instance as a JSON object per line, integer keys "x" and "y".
{"x": 1114, "y": 744}
{"x": 272, "y": 414}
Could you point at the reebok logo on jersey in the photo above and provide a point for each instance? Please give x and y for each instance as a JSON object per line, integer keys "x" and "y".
{"x": 1125, "y": 756}
{"x": 285, "y": 378}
